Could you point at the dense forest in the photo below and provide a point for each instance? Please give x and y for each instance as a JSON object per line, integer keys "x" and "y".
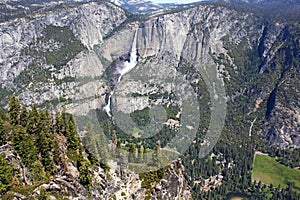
{"x": 36, "y": 135}
{"x": 44, "y": 143}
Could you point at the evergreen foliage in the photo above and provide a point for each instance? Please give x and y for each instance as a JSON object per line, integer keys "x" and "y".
{"x": 131, "y": 155}
{"x": 14, "y": 110}
{"x": 37, "y": 138}
{"x": 2, "y": 133}
{"x": 6, "y": 174}
{"x": 85, "y": 176}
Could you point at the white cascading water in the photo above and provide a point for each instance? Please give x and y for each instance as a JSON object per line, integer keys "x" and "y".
{"x": 132, "y": 62}
{"x": 128, "y": 65}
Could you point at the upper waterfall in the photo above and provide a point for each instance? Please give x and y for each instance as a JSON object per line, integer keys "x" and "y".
{"x": 127, "y": 66}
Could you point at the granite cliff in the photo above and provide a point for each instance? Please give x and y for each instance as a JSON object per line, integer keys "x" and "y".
{"x": 76, "y": 55}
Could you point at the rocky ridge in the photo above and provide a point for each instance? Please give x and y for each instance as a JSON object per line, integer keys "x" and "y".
{"x": 118, "y": 183}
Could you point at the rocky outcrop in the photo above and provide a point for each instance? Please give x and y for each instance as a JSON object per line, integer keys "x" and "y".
{"x": 88, "y": 22}
{"x": 117, "y": 183}
{"x": 12, "y": 156}
{"x": 173, "y": 185}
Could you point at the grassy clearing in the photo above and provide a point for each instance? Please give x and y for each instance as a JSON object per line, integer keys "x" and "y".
{"x": 267, "y": 170}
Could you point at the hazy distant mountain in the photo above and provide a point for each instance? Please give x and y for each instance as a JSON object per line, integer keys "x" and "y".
{"x": 268, "y": 5}
{"x": 137, "y": 5}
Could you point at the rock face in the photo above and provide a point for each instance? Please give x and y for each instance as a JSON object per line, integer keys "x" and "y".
{"x": 86, "y": 24}
{"x": 174, "y": 185}
{"x": 118, "y": 183}
{"x": 256, "y": 59}
{"x": 14, "y": 158}
{"x": 72, "y": 55}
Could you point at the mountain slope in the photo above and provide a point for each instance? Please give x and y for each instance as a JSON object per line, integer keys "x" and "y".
{"x": 271, "y": 43}
{"x": 271, "y": 7}
{"x": 254, "y": 57}
{"x": 42, "y": 156}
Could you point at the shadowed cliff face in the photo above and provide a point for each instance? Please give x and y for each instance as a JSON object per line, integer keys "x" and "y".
{"x": 90, "y": 55}
{"x": 251, "y": 56}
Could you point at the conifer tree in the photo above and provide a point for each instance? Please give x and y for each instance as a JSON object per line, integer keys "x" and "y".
{"x": 101, "y": 142}
{"x": 45, "y": 122}
{"x": 63, "y": 122}
{"x": 131, "y": 155}
{"x": 33, "y": 121}
{"x": 139, "y": 158}
{"x": 6, "y": 174}
{"x": 56, "y": 151}
{"x": 90, "y": 140}
{"x": 14, "y": 108}
{"x": 145, "y": 155}
{"x": 85, "y": 177}
{"x": 37, "y": 172}
{"x": 58, "y": 123}
{"x": 2, "y": 134}
{"x": 27, "y": 151}
{"x": 44, "y": 145}
{"x": 71, "y": 134}
{"x": 24, "y": 116}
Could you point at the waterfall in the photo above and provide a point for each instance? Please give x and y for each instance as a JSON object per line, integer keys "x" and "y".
{"x": 107, "y": 107}
{"x": 128, "y": 65}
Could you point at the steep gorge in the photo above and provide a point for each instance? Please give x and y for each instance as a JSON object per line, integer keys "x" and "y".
{"x": 255, "y": 58}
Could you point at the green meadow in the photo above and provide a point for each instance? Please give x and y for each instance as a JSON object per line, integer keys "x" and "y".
{"x": 269, "y": 171}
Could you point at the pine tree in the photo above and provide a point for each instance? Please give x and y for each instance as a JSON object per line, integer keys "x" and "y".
{"x": 2, "y": 134}
{"x": 90, "y": 140}
{"x": 102, "y": 145}
{"x": 63, "y": 122}
{"x": 131, "y": 155}
{"x": 37, "y": 171}
{"x": 139, "y": 158}
{"x": 25, "y": 146}
{"x": 46, "y": 155}
{"x": 14, "y": 108}
{"x": 145, "y": 155}
{"x": 24, "y": 116}
{"x": 28, "y": 151}
{"x": 45, "y": 122}
{"x": 58, "y": 123}
{"x": 85, "y": 177}
{"x": 6, "y": 174}
{"x": 71, "y": 134}
{"x": 46, "y": 139}
{"x": 56, "y": 152}
{"x": 33, "y": 121}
